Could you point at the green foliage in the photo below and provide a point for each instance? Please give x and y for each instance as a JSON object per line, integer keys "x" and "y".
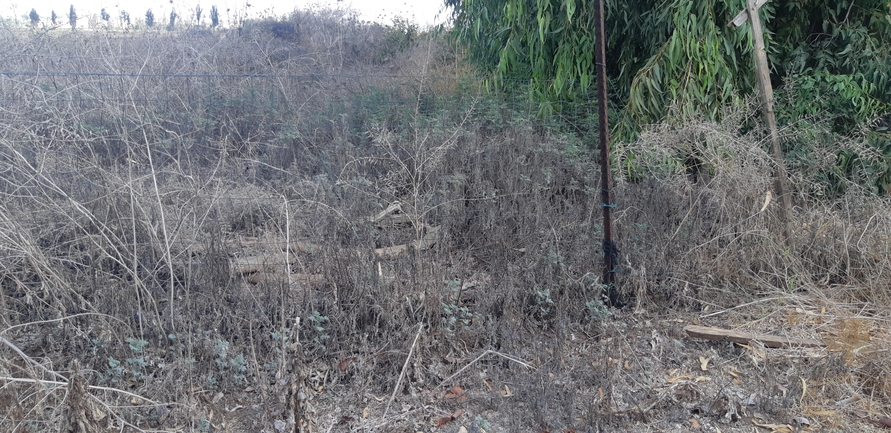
{"x": 204, "y": 425}
{"x": 543, "y": 303}
{"x": 692, "y": 73}
{"x": 596, "y": 309}
{"x": 455, "y": 316}
{"x": 317, "y": 321}
{"x": 134, "y": 367}
{"x": 481, "y": 422}
{"x": 115, "y": 370}
{"x": 674, "y": 59}
{"x": 137, "y": 363}
{"x": 849, "y": 99}
{"x": 136, "y": 345}
{"x": 401, "y": 35}
{"x": 835, "y": 84}
{"x": 838, "y": 112}
{"x": 837, "y": 162}
{"x": 377, "y": 107}
{"x": 547, "y": 43}
{"x": 236, "y": 365}
{"x": 844, "y": 37}
{"x": 660, "y": 55}
{"x": 319, "y": 335}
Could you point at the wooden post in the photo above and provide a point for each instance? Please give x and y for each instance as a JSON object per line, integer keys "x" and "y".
{"x": 767, "y": 340}
{"x": 781, "y": 183}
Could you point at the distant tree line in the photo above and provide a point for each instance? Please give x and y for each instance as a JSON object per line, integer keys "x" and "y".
{"x": 125, "y": 21}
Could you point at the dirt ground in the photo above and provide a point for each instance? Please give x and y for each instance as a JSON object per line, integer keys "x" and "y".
{"x": 637, "y": 372}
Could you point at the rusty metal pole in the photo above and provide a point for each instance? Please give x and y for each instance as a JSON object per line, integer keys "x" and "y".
{"x": 610, "y": 251}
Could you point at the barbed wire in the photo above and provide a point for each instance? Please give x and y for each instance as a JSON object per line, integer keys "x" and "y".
{"x": 316, "y": 76}
{"x": 205, "y": 75}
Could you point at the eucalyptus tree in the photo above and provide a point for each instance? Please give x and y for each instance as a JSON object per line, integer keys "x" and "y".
{"x": 678, "y": 58}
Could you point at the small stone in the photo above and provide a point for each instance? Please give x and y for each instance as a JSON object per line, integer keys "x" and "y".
{"x": 280, "y": 425}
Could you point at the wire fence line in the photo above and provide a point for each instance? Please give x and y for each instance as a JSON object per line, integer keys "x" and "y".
{"x": 187, "y": 91}
{"x": 202, "y": 75}
{"x": 261, "y": 92}
{"x": 99, "y": 125}
{"x": 266, "y": 126}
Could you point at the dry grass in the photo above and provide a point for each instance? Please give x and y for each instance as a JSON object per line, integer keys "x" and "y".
{"x": 183, "y": 237}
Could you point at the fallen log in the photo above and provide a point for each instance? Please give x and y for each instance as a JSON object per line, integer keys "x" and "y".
{"x": 262, "y": 263}
{"x": 719, "y": 334}
{"x": 243, "y": 242}
{"x": 268, "y": 277}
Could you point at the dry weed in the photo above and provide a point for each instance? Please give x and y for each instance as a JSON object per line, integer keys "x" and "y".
{"x": 185, "y": 229}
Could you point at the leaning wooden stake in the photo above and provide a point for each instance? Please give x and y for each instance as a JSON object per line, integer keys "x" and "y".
{"x": 781, "y": 183}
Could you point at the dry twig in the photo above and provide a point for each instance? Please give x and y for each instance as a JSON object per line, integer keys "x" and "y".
{"x": 404, "y": 368}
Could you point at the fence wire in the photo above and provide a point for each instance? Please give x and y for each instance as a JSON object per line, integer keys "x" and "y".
{"x": 257, "y": 94}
